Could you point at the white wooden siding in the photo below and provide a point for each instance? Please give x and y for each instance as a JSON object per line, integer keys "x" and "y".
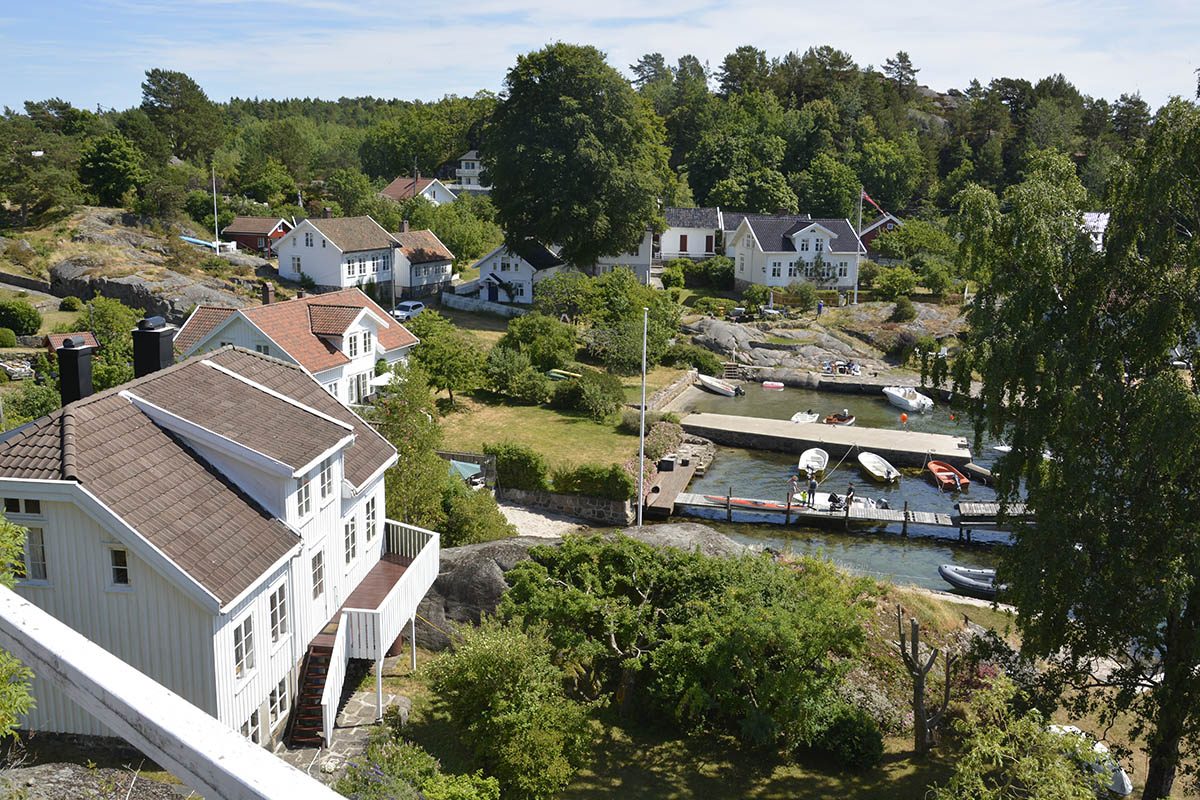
{"x": 238, "y": 331}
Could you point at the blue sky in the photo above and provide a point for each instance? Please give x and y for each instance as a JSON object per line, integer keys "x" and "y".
{"x": 96, "y": 52}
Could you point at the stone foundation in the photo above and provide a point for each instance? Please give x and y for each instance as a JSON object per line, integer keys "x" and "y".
{"x": 592, "y": 509}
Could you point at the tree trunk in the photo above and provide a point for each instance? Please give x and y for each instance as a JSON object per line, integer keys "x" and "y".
{"x": 1174, "y": 703}
{"x": 627, "y": 691}
{"x": 920, "y": 732}
{"x": 1164, "y": 758}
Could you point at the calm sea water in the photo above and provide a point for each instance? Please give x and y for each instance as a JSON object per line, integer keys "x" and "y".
{"x": 764, "y": 475}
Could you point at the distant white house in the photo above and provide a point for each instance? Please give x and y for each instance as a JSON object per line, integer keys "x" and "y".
{"x": 638, "y": 261}
{"x": 508, "y": 275}
{"x": 775, "y": 250}
{"x": 337, "y": 338}
{"x": 337, "y": 253}
{"x": 469, "y": 173}
{"x": 1095, "y": 224}
{"x": 424, "y": 265}
{"x": 690, "y": 233}
{"x": 406, "y": 187}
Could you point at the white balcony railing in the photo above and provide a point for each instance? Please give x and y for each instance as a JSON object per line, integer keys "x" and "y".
{"x": 331, "y": 695}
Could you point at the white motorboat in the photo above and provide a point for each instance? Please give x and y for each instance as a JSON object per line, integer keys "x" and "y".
{"x": 878, "y": 468}
{"x": 814, "y": 459}
{"x": 719, "y": 386}
{"x": 806, "y": 416}
{"x": 907, "y": 398}
{"x": 1102, "y": 763}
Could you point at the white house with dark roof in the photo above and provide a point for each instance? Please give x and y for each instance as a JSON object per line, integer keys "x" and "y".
{"x": 690, "y": 233}
{"x": 406, "y": 187}
{"x": 219, "y": 525}
{"x": 337, "y": 253}
{"x": 424, "y": 265}
{"x": 469, "y": 173}
{"x": 509, "y": 275}
{"x": 337, "y": 337}
{"x": 776, "y": 250}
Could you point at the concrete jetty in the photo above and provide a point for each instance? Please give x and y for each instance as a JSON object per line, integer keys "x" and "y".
{"x": 902, "y": 448}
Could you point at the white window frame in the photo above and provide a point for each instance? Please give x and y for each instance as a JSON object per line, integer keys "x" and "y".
{"x": 113, "y": 567}
{"x": 308, "y": 239}
{"x": 819, "y": 245}
{"x": 352, "y": 345}
{"x": 362, "y": 265}
{"x": 252, "y": 728}
{"x": 304, "y": 499}
{"x": 35, "y": 557}
{"x": 277, "y": 702}
{"x": 325, "y": 478}
{"x": 349, "y": 268}
{"x": 350, "y": 540}
{"x": 359, "y": 385}
{"x": 243, "y": 648}
{"x": 371, "y": 518}
{"x": 367, "y": 346}
{"x": 317, "y": 567}
{"x": 279, "y": 613}
{"x": 804, "y": 245}
{"x": 296, "y": 264}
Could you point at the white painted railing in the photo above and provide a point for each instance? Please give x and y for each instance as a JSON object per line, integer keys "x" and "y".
{"x": 334, "y": 678}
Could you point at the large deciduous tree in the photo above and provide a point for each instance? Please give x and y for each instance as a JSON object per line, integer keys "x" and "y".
{"x": 448, "y": 354}
{"x": 574, "y": 156}
{"x": 110, "y": 166}
{"x": 1074, "y": 349}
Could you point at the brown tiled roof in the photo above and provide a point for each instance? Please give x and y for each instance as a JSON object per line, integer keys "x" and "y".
{"x": 166, "y": 491}
{"x": 201, "y": 323}
{"x": 422, "y": 247}
{"x": 352, "y": 234}
{"x": 259, "y": 226}
{"x": 405, "y": 187}
{"x": 53, "y": 341}
{"x": 331, "y": 320}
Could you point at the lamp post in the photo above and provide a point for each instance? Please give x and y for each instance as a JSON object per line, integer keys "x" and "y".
{"x": 642, "y": 426}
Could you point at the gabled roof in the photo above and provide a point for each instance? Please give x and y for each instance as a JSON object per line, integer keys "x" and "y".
{"x": 298, "y": 326}
{"x": 774, "y": 232}
{"x": 353, "y": 234}
{"x": 405, "y": 186}
{"x": 692, "y": 217}
{"x": 470, "y": 155}
{"x": 200, "y": 324}
{"x": 53, "y": 341}
{"x": 163, "y": 489}
{"x": 883, "y": 219}
{"x": 422, "y": 247}
{"x": 732, "y": 219}
{"x": 537, "y": 254}
{"x": 258, "y": 226}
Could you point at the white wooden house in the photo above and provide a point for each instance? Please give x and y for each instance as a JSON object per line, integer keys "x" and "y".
{"x": 337, "y": 337}
{"x": 776, "y": 250}
{"x": 405, "y": 187}
{"x": 690, "y": 233}
{"x": 337, "y": 252}
{"x": 509, "y": 275}
{"x": 424, "y": 265}
{"x": 219, "y": 525}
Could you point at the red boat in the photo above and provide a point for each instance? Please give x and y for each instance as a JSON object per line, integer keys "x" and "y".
{"x": 745, "y": 502}
{"x": 947, "y": 477}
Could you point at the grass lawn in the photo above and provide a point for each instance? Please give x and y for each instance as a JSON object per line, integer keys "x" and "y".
{"x": 487, "y": 328}
{"x": 562, "y": 437}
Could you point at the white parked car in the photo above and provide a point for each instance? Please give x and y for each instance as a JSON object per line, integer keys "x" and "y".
{"x": 407, "y": 309}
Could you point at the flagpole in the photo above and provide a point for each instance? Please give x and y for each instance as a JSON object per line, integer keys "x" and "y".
{"x": 858, "y": 233}
{"x": 642, "y": 426}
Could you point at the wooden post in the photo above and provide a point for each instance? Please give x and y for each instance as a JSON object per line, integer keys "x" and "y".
{"x": 846, "y": 518}
{"x": 787, "y": 518}
{"x": 412, "y": 639}
{"x": 729, "y": 505}
{"x": 904, "y": 525}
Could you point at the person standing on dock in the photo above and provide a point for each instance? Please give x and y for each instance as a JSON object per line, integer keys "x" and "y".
{"x": 812, "y": 490}
{"x": 850, "y": 495}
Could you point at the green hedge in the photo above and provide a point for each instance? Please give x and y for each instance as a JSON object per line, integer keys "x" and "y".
{"x": 519, "y": 467}
{"x": 608, "y": 481}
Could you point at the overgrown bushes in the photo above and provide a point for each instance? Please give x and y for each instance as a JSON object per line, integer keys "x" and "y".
{"x": 853, "y": 739}
{"x": 631, "y": 419}
{"x": 70, "y": 303}
{"x": 597, "y": 394}
{"x": 672, "y": 274}
{"x": 607, "y": 481}
{"x": 892, "y": 282}
{"x": 663, "y": 438}
{"x": 393, "y": 769}
{"x": 904, "y": 310}
{"x": 20, "y": 316}
{"x": 690, "y": 355}
{"x": 709, "y": 273}
{"x": 510, "y": 373}
{"x": 519, "y": 467}
{"x": 8, "y": 337}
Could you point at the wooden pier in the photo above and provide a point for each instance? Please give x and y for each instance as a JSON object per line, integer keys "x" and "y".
{"x": 902, "y": 448}
{"x": 820, "y": 516}
{"x": 984, "y": 515}
{"x": 667, "y": 488}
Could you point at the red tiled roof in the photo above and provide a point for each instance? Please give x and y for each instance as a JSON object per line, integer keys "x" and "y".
{"x": 405, "y": 187}
{"x": 53, "y": 341}
{"x": 201, "y": 323}
{"x": 259, "y": 226}
{"x": 422, "y": 247}
{"x": 331, "y": 320}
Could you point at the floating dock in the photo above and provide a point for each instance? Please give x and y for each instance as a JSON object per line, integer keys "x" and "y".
{"x": 821, "y": 515}
{"x": 902, "y": 448}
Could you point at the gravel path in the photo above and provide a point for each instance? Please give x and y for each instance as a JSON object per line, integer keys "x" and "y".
{"x": 535, "y": 522}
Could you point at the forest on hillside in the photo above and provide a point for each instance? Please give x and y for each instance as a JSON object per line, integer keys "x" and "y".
{"x": 800, "y": 132}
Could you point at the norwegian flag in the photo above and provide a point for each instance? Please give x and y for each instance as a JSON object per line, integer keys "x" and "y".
{"x": 867, "y": 197}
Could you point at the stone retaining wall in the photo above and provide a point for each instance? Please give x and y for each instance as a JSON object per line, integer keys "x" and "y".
{"x": 25, "y": 282}
{"x": 664, "y": 396}
{"x": 593, "y": 509}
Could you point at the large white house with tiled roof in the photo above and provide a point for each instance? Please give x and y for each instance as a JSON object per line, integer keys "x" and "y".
{"x": 337, "y": 337}
{"x": 219, "y": 525}
{"x": 779, "y": 249}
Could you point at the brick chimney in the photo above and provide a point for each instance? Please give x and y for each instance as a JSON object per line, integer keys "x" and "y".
{"x": 153, "y": 346}
{"x": 268, "y": 293}
{"x": 326, "y": 212}
{"x": 74, "y": 370}
{"x": 301, "y": 293}
{"x": 404, "y": 226}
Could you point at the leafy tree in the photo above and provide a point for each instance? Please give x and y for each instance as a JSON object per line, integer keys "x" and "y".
{"x": 471, "y": 516}
{"x": 182, "y": 111}
{"x": 892, "y": 169}
{"x": 893, "y": 282}
{"x": 1006, "y": 756}
{"x": 271, "y": 184}
{"x": 1073, "y": 347}
{"x": 352, "y": 190}
{"x": 746, "y": 69}
{"x": 595, "y": 393}
{"x": 827, "y": 188}
{"x": 16, "y": 699}
{"x": 1130, "y": 118}
{"x": 755, "y": 297}
{"x": 913, "y": 237}
{"x": 111, "y": 167}
{"x": 519, "y": 467}
{"x": 19, "y": 316}
{"x": 572, "y": 121}
{"x": 405, "y": 416}
{"x": 547, "y": 342}
{"x": 804, "y": 294}
{"x": 393, "y": 769}
{"x": 509, "y": 373}
{"x": 767, "y": 191}
{"x": 654, "y": 79}
{"x": 615, "y": 336}
{"x": 505, "y": 696}
{"x": 447, "y": 354}
{"x": 135, "y": 125}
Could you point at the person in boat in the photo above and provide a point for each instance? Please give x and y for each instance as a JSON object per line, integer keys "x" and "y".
{"x": 812, "y": 490}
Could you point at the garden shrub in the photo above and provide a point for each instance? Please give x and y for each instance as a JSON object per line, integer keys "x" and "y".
{"x": 672, "y": 275}
{"x": 904, "y": 310}
{"x": 519, "y": 467}
{"x": 70, "y": 303}
{"x": 868, "y": 271}
{"x": 394, "y": 769}
{"x": 471, "y": 516}
{"x": 804, "y": 295}
{"x": 608, "y": 481}
{"x": 712, "y": 306}
{"x": 597, "y": 394}
{"x": 712, "y": 273}
{"x": 663, "y": 438}
{"x": 8, "y": 338}
{"x": 631, "y": 419}
{"x": 892, "y": 282}
{"x": 691, "y": 355}
{"x": 547, "y": 342}
{"x": 852, "y": 740}
{"x": 20, "y": 316}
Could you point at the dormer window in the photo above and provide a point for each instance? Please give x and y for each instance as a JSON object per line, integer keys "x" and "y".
{"x": 367, "y": 346}
{"x": 352, "y": 345}
{"x": 804, "y": 245}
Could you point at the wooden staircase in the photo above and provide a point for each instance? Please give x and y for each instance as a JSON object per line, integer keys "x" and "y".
{"x": 733, "y": 372}
{"x": 305, "y": 729}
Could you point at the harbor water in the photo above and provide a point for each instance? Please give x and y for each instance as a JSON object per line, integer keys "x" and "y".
{"x": 883, "y": 554}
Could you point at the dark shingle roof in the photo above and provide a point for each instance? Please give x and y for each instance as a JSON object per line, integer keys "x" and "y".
{"x": 353, "y": 234}
{"x": 423, "y": 247}
{"x": 166, "y": 491}
{"x": 774, "y": 232}
{"x": 537, "y": 254}
{"x": 406, "y": 186}
{"x": 691, "y": 217}
{"x": 260, "y": 226}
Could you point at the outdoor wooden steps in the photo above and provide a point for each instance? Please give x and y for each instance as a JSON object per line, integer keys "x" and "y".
{"x": 305, "y": 726}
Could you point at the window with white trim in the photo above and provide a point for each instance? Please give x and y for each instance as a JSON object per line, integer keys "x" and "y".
{"x": 358, "y": 386}
{"x": 34, "y": 568}
{"x": 326, "y": 478}
{"x": 374, "y": 264}
{"x": 118, "y": 560}
{"x": 741, "y": 262}
{"x": 279, "y": 618}
{"x": 349, "y": 268}
{"x": 277, "y": 702}
{"x": 296, "y": 264}
{"x": 791, "y": 269}
{"x": 352, "y": 345}
{"x": 318, "y": 573}
{"x": 776, "y": 269}
{"x": 804, "y": 245}
{"x": 843, "y": 269}
{"x": 818, "y": 244}
{"x": 362, "y": 265}
{"x": 367, "y": 345}
{"x": 304, "y": 499}
{"x": 308, "y": 239}
{"x": 251, "y": 728}
{"x": 504, "y": 266}
{"x": 372, "y": 519}
{"x": 243, "y": 647}
{"x": 351, "y": 539}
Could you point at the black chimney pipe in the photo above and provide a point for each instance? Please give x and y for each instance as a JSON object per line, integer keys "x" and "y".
{"x": 74, "y": 370}
{"x": 153, "y": 346}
